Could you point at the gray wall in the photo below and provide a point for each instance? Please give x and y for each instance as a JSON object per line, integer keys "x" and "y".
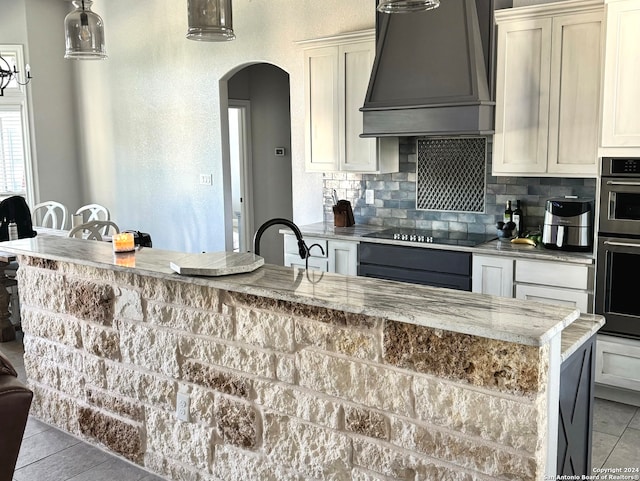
{"x": 151, "y": 113}
{"x": 267, "y": 88}
{"x": 38, "y": 26}
{"x": 140, "y": 127}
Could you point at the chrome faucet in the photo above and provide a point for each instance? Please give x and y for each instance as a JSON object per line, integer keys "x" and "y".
{"x": 303, "y": 250}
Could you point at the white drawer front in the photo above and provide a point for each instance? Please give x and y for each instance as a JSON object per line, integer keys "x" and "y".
{"x": 291, "y": 245}
{"x": 555, "y": 295}
{"x": 573, "y": 276}
{"x": 618, "y": 363}
{"x": 315, "y": 263}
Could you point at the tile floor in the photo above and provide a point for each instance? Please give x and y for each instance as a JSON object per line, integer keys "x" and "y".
{"x": 48, "y": 454}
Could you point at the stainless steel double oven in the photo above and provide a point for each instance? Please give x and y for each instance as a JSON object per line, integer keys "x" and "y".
{"x": 618, "y": 254}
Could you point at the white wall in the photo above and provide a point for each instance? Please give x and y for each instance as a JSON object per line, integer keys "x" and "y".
{"x": 38, "y": 25}
{"x": 151, "y": 113}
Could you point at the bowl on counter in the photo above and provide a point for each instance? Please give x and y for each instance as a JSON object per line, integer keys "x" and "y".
{"x": 504, "y": 234}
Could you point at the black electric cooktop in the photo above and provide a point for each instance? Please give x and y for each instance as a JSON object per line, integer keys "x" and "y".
{"x": 442, "y": 237}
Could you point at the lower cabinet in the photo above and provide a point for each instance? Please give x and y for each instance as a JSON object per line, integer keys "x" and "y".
{"x": 426, "y": 266}
{"x": 551, "y": 282}
{"x": 618, "y": 362}
{"x": 317, "y": 254}
{"x": 343, "y": 257}
{"x": 326, "y": 255}
{"x": 493, "y": 275}
{"x": 575, "y": 422}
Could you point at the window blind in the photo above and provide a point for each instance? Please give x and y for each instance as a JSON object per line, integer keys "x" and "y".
{"x": 12, "y": 154}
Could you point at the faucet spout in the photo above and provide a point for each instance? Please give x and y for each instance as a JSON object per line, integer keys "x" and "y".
{"x": 303, "y": 250}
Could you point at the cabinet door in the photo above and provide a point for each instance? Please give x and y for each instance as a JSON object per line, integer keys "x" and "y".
{"x": 343, "y": 257}
{"x": 321, "y": 108}
{"x": 555, "y": 296}
{"x": 574, "y": 108}
{"x": 618, "y": 362}
{"x": 621, "y": 96}
{"x": 492, "y": 275}
{"x": 356, "y": 60}
{"x": 522, "y": 96}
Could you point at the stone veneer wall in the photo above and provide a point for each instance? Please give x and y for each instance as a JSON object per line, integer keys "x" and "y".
{"x": 395, "y": 197}
{"x": 278, "y": 390}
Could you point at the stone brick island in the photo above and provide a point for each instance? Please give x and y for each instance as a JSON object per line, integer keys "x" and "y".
{"x": 290, "y": 376}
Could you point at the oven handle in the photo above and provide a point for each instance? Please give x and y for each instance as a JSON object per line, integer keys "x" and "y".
{"x": 619, "y": 182}
{"x": 621, "y": 244}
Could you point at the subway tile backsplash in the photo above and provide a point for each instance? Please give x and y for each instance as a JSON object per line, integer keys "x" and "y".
{"x": 395, "y": 197}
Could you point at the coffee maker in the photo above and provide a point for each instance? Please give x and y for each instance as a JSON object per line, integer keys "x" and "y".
{"x": 568, "y": 224}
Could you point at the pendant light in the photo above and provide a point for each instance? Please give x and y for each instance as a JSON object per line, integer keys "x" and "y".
{"x": 407, "y": 6}
{"x": 84, "y": 33}
{"x": 210, "y": 20}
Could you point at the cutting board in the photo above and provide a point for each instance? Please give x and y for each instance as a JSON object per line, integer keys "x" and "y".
{"x": 216, "y": 263}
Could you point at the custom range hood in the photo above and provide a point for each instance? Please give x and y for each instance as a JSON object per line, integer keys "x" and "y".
{"x": 432, "y": 72}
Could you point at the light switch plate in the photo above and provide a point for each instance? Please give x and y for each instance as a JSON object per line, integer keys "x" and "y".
{"x": 206, "y": 179}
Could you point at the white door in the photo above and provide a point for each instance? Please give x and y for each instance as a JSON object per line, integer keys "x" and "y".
{"x": 241, "y": 173}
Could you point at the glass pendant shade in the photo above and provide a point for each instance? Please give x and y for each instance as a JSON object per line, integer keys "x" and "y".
{"x": 406, "y": 6}
{"x": 210, "y": 20}
{"x": 84, "y": 33}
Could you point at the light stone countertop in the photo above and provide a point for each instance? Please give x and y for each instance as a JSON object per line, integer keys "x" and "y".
{"x": 578, "y": 332}
{"x": 495, "y": 247}
{"x": 492, "y": 317}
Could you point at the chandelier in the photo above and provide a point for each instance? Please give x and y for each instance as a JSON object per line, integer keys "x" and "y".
{"x": 8, "y": 73}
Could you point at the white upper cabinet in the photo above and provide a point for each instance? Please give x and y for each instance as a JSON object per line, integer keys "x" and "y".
{"x": 621, "y": 96}
{"x": 337, "y": 71}
{"x": 548, "y": 83}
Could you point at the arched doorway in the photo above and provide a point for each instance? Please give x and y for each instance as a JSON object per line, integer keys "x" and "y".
{"x": 257, "y": 157}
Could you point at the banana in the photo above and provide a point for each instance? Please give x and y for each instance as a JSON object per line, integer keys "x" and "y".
{"x": 523, "y": 240}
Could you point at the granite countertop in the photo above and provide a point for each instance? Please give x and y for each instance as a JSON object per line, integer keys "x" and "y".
{"x": 495, "y": 247}
{"x": 498, "y": 318}
{"x": 577, "y": 333}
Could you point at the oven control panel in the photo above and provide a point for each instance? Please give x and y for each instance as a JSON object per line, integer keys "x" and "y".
{"x": 621, "y": 166}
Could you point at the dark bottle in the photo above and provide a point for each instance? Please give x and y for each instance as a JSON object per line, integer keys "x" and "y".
{"x": 518, "y": 219}
{"x": 508, "y": 213}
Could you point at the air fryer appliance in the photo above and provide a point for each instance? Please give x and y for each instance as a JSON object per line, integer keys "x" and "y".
{"x": 568, "y": 224}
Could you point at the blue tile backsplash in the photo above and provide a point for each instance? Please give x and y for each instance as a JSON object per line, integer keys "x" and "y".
{"x": 395, "y": 197}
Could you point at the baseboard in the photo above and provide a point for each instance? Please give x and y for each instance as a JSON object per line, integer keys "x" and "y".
{"x": 620, "y": 395}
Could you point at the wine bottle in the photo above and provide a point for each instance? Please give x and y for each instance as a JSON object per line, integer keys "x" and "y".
{"x": 508, "y": 213}
{"x": 518, "y": 219}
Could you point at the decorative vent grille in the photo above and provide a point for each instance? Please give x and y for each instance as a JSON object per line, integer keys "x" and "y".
{"x": 451, "y": 174}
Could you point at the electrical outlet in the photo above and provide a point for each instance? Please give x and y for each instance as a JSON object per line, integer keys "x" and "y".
{"x": 206, "y": 179}
{"x": 368, "y": 196}
{"x": 182, "y": 406}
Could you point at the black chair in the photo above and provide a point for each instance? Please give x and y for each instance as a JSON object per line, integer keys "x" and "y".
{"x": 15, "y": 401}
{"x": 15, "y": 209}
